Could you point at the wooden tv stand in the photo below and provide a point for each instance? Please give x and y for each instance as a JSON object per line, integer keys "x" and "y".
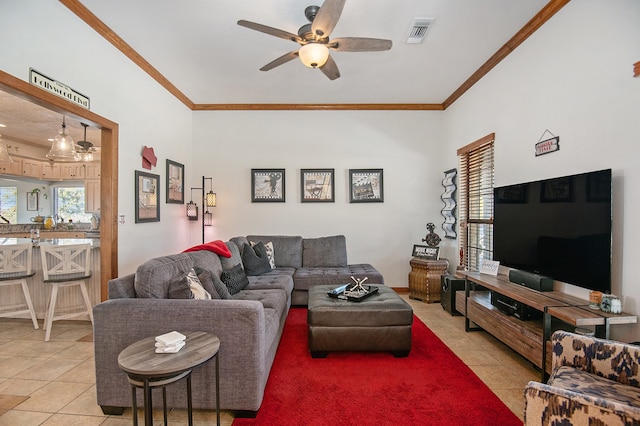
{"x": 530, "y": 338}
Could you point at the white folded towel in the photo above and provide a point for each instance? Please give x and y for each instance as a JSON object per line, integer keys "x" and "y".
{"x": 169, "y": 349}
{"x": 170, "y": 338}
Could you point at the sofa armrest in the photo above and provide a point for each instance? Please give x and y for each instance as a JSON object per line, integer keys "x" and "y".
{"x": 239, "y": 324}
{"x": 546, "y": 405}
{"x": 606, "y": 358}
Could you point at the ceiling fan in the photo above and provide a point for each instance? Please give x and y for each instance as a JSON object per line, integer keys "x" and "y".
{"x": 314, "y": 39}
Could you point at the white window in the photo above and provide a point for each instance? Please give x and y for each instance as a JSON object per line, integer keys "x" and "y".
{"x": 476, "y": 202}
{"x": 8, "y": 204}
{"x": 68, "y": 203}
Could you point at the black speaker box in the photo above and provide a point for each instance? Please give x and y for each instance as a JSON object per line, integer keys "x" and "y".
{"x": 532, "y": 281}
{"x": 450, "y": 285}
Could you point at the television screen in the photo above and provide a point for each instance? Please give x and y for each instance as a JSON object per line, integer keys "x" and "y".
{"x": 559, "y": 227}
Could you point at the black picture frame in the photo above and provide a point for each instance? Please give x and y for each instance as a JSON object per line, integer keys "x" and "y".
{"x": 267, "y": 185}
{"x": 175, "y": 182}
{"x": 147, "y": 194}
{"x": 317, "y": 185}
{"x": 426, "y": 252}
{"x": 366, "y": 186}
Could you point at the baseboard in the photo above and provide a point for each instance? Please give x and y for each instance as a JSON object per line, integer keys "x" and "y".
{"x": 400, "y": 290}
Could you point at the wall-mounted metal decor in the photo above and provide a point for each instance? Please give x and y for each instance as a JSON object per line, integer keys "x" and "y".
{"x": 448, "y": 198}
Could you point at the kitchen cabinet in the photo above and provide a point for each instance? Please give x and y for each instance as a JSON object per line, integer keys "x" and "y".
{"x": 92, "y": 196}
{"x": 31, "y": 168}
{"x": 92, "y": 171}
{"x": 11, "y": 167}
{"x": 51, "y": 171}
{"x": 72, "y": 171}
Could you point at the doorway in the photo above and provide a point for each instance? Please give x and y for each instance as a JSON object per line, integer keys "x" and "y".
{"x": 108, "y": 167}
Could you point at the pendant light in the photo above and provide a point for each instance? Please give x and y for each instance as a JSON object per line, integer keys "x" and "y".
{"x": 63, "y": 147}
{"x": 86, "y": 147}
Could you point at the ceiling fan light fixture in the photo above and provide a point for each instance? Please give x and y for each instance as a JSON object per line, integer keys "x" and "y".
{"x": 313, "y": 55}
{"x": 63, "y": 147}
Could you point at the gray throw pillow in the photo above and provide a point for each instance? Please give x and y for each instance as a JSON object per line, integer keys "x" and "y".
{"x": 213, "y": 284}
{"x": 255, "y": 259}
{"x": 235, "y": 279}
{"x": 188, "y": 287}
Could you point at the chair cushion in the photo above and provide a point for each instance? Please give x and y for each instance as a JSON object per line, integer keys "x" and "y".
{"x": 579, "y": 381}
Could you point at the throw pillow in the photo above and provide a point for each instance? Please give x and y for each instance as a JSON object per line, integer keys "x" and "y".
{"x": 270, "y": 253}
{"x": 235, "y": 279}
{"x": 188, "y": 287}
{"x": 255, "y": 260}
{"x": 212, "y": 280}
{"x": 205, "y": 278}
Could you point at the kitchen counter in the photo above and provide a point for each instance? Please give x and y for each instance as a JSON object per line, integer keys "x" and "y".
{"x": 40, "y": 291}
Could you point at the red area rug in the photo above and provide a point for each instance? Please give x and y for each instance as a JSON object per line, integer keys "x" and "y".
{"x": 431, "y": 386}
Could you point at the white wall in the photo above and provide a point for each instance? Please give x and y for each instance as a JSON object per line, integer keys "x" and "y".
{"x": 406, "y": 145}
{"x": 45, "y": 35}
{"x": 574, "y": 78}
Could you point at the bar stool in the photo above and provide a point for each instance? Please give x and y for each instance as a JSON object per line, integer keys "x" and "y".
{"x": 65, "y": 266}
{"x": 15, "y": 268}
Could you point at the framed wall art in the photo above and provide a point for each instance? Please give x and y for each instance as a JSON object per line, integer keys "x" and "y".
{"x": 175, "y": 182}
{"x": 366, "y": 186}
{"x": 147, "y": 196}
{"x": 32, "y": 201}
{"x": 267, "y": 185}
{"x": 317, "y": 185}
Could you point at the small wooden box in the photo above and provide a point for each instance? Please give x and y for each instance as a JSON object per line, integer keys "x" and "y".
{"x": 424, "y": 279}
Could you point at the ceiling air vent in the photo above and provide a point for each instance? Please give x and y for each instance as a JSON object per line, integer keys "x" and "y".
{"x": 418, "y": 30}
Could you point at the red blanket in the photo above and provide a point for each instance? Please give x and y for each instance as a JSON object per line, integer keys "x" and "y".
{"x": 217, "y": 246}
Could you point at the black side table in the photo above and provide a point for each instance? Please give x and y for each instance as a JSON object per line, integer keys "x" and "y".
{"x": 147, "y": 369}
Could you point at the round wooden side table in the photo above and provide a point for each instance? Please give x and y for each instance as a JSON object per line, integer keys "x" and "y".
{"x": 147, "y": 369}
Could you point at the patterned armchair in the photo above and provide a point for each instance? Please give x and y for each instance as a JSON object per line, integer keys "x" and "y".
{"x": 593, "y": 382}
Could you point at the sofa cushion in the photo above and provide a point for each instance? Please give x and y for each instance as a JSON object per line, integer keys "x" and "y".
{"x": 324, "y": 251}
{"x": 287, "y": 250}
{"x": 235, "y": 279}
{"x": 206, "y": 261}
{"x": 154, "y": 276}
{"x": 235, "y": 259}
{"x": 254, "y": 259}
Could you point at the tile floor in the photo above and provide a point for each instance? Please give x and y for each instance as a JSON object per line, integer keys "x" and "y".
{"x": 53, "y": 383}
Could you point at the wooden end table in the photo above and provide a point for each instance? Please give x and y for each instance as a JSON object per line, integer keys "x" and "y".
{"x": 147, "y": 369}
{"x": 425, "y": 279}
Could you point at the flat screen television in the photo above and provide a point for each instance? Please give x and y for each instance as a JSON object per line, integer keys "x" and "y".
{"x": 559, "y": 228}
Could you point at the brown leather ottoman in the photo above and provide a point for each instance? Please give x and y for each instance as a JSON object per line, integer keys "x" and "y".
{"x": 381, "y": 322}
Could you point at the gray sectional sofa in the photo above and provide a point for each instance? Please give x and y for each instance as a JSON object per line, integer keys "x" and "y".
{"x": 248, "y": 323}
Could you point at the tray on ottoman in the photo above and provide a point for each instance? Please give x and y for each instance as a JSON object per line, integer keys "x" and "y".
{"x": 343, "y": 292}
{"x": 379, "y": 323}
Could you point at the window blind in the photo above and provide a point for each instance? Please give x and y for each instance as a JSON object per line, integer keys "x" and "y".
{"x": 476, "y": 202}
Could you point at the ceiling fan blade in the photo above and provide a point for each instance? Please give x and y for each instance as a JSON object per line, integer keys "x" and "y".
{"x": 270, "y": 30}
{"x": 327, "y": 18}
{"x": 281, "y": 60}
{"x": 359, "y": 44}
{"x": 330, "y": 69}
